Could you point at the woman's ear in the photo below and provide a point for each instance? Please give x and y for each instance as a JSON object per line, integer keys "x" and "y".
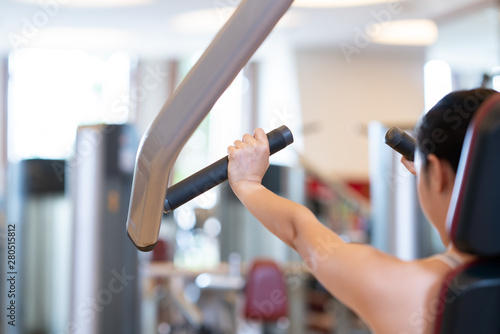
{"x": 440, "y": 175}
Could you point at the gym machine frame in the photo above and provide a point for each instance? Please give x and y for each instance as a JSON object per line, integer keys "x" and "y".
{"x": 230, "y": 50}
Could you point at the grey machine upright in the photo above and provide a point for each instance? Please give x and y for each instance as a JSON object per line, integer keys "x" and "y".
{"x": 398, "y": 226}
{"x": 104, "y": 285}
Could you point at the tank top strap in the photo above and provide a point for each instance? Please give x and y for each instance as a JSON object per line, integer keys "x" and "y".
{"x": 452, "y": 260}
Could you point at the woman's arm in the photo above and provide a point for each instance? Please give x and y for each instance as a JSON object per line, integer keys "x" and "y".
{"x": 359, "y": 275}
{"x": 282, "y": 217}
{"x": 248, "y": 162}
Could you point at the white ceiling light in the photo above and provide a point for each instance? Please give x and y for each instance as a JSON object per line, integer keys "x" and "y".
{"x": 209, "y": 21}
{"x": 338, "y": 3}
{"x": 404, "y": 32}
{"x": 93, "y": 3}
{"x": 201, "y": 21}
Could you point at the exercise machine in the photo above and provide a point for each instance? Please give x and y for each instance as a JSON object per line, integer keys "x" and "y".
{"x": 230, "y": 50}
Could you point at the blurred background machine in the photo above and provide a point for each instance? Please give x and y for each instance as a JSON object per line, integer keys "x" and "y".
{"x": 70, "y": 211}
{"x": 101, "y": 183}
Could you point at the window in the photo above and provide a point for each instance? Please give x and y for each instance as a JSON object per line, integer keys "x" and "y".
{"x": 437, "y": 82}
{"x": 52, "y": 92}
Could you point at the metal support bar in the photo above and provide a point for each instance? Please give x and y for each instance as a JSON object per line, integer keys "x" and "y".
{"x": 187, "y": 107}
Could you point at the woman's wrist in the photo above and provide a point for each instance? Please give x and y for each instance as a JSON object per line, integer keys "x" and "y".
{"x": 246, "y": 185}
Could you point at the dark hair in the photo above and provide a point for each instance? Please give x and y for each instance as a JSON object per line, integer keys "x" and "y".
{"x": 442, "y": 130}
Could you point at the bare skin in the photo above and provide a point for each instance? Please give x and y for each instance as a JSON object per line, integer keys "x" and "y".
{"x": 390, "y": 295}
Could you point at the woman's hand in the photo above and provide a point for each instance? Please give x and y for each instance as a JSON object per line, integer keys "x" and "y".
{"x": 248, "y": 158}
{"x": 409, "y": 165}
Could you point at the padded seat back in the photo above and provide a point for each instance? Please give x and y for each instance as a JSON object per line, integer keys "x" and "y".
{"x": 474, "y": 215}
{"x": 470, "y": 296}
{"x": 266, "y": 295}
{"x": 470, "y": 300}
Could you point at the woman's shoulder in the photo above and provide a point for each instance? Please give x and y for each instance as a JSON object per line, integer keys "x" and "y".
{"x": 413, "y": 295}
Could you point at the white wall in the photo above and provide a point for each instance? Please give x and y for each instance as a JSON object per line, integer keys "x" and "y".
{"x": 341, "y": 98}
{"x": 470, "y": 44}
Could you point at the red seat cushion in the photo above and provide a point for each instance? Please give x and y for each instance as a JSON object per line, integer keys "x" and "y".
{"x": 266, "y": 296}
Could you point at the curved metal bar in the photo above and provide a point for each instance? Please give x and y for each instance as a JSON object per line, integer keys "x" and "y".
{"x": 185, "y": 109}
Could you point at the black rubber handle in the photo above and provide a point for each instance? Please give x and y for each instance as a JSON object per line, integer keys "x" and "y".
{"x": 401, "y": 142}
{"x": 216, "y": 173}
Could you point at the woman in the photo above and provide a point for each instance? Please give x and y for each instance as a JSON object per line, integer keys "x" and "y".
{"x": 390, "y": 295}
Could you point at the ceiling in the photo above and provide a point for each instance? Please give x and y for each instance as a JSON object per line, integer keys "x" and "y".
{"x": 151, "y": 29}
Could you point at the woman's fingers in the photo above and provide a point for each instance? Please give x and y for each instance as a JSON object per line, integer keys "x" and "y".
{"x": 248, "y": 158}
{"x": 238, "y": 143}
{"x": 251, "y": 144}
{"x": 409, "y": 165}
{"x": 249, "y": 139}
{"x": 260, "y": 135}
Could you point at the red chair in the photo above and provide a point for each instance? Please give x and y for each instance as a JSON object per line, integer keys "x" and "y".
{"x": 470, "y": 296}
{"x": 266, "y": 295}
